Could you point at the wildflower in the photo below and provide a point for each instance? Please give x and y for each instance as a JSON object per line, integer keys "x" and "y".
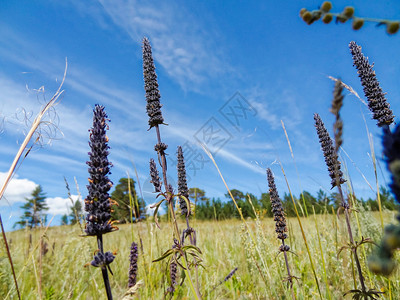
{"x": 331, "y": 157}
{"x": 230, "y": 274}
{"x": 182, "y": 183}
{"x": 337, "y": 104}
{"x": 173, "y": 270}
{"x": 98, "y": 202}
{"x": 155, "y": 178}
{"x": 133, "y": 257}
{"x": 376, "y": 98}
{"x": 277, "y": 208}
{"x": 153, "y": 96}
{"x": 102, "y": 259}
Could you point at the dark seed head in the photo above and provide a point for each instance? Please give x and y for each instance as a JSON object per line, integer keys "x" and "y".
{"x": 376, "y": 98}
{"x": 331, "y": 157}
{"x": 98, "y": 202}
{"x": 182, "y": 183}
{"x": 277, "y": 208}
{"x": 133, "y": 258}
{"x": 230, "y": 274}
{"x": 173, "y": 270}
{"x": 155, "y": 178}
{"x": 337, "y": 104}
{"x": 102, "y": 260}
{"x": 153, "y": 106}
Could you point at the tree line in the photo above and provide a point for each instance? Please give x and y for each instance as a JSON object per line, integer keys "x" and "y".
{"x": 306, "y": 204}
{"x": 132, "y": 208}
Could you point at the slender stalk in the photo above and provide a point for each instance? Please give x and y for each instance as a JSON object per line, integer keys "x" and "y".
{"x": 302, "y": 232}
{"x": 28, "y": 258}
{"x": 186, "y": 270}
{"x": 297, "y": 171}
{"x": 322, "y": 255}
{"x": 241, "y": 216}
{"x": 131, "y": 206}
{"x": 290, "y": 280}
{"x": 104, "y": 269}
{"x": 40, "y": 265}
{"x": 169, "y": 199}
{"x": 23, "y": 147}
{"x": 9, "y": 257}
{"x": 354, "y": 250}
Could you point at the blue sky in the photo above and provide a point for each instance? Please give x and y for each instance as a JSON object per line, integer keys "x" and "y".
{"x": 211, "y": 58}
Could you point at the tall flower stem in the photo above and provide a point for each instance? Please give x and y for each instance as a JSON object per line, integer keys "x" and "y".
{"x": 9, "y": 257}
{"x": 169, "y": 199}
{"x": 104, "y": 269}
{"x": 163, "y": 161}
{"x": 183, "y": 193}
{"x": 350, "y": 233}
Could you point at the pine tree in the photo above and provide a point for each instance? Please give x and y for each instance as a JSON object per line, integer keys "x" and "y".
{"x": 122, "y": 212}
{"x": 76, "y": 212}
{"x": 34, "y": 209}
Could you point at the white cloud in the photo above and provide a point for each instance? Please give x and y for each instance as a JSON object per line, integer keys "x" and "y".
{"x": 17, "y": 189}
{"x": 59, "y": 205}
{"x": 150, "y": 211}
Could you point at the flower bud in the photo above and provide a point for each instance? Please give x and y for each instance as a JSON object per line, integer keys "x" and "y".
{"x": 326, "y": 6}
{"x": 358, "y": 23}
{"x": 348, "y": 11}
{"x": 302, "y": 11}
{"x": 307, "y": 17}
{"x": 392, "y": 27}
{"x": 327, "y": 18}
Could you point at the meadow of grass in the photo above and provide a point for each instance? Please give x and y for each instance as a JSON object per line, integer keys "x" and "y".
{"x": 225, "y": 245}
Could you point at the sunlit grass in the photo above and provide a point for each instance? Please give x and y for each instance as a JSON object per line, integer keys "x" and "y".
{"x": 224, "y": 245}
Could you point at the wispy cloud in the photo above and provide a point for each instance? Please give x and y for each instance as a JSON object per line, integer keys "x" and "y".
{"x": 180, "y": 44}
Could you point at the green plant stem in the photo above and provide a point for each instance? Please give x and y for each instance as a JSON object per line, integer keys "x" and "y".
{"x": 297, "y": 171}
{"x": 192, "y": 241}
{"x": 169, "y": 199}
{"x": 354, "y": 249}
{"x": 302, "y": 232}
{"x": 186, "y": 270}
{"x": 322, "y": 255}
{"x": 240, "y": 213}
{"x": 290, "y": 280}
{"x": 9, "y": 257}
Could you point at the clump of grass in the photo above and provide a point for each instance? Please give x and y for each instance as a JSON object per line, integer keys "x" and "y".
{"x": 98, "y": 203}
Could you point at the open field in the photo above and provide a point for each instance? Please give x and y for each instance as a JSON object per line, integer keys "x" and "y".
{"x": 225, "y": 245}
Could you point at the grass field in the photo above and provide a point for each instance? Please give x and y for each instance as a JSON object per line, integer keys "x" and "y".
{"x": 225, "y": 246}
